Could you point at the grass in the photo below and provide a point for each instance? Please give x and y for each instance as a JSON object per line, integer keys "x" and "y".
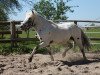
{"x": 26, "y": 47}
{"x": 21, "y": 47}
{"x": 95, "y": 47}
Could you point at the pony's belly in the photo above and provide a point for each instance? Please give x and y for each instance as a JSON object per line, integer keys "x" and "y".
{"x": 62, "y": 39}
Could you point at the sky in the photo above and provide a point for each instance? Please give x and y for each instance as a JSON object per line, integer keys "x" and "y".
{"x": 87, "y": 10}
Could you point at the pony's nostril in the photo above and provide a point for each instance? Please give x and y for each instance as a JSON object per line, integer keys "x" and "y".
{"x": 21, "y": 27}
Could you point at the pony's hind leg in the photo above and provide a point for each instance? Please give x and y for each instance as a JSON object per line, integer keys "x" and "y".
{"x": 83, "y": 53}
{"x": 78, "y": 41}
{"x": 68, "y": 48}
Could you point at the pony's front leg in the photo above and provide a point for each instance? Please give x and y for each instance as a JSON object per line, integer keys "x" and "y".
{"x": 41, "y": 45}
{"x": 69, "y": 47}
{"x": 50, "y": 52}
{"x": 32, "y": 54}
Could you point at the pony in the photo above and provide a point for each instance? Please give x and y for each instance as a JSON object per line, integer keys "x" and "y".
{"x": 50, "y": 33}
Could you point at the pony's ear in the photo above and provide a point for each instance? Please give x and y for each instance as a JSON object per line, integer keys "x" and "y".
{"x": 32, "y": 11}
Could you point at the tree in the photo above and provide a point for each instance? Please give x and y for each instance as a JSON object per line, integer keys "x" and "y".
{"x": 45, "y": 8}
{"x": 3, "y": 15}
{"x": 61, "y": 9}
{"x": 53, "y": 9}
{"x": 7, "y": 7}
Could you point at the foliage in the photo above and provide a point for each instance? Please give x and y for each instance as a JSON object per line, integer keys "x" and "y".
{"x": 61, "y": 9}
{"x": 3, "y": 15}
{"x": 8, "y": 6}
{"x": 21, "y": 48}
{"x": 45, "y": 8}
{"x": 53, "y": 9}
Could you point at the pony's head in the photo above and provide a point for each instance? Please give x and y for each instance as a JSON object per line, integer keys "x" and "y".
{"x": 29, "y": 20}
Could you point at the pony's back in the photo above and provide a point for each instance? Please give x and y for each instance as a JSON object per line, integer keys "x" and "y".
{"x": 66, "y": 24}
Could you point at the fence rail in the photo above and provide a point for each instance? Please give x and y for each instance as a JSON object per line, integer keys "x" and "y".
{"x": 9, "y": 22}
{"x": 93, "y": 38}
{"x": 93, "y": 32}
{"x": 13, "y": 31}
{"x": 17, "y": 40}
{"x": 8, "y": 32}
{"x": 77, "y": 21}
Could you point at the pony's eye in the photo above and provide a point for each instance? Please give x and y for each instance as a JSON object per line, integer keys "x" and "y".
{"x": 29, "y": 19}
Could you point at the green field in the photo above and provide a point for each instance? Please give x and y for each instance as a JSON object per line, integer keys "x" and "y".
{"x": 95, "y": 47}
{"x": 22, "y": 47}
{"x": 27, "y": 46}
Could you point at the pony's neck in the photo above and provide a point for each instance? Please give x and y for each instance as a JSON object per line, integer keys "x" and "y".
{"x": 41, "y": 22}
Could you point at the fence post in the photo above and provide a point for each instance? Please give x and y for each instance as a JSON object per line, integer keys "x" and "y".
{"x": 74, "y": 45}
{"x": 2, "y": 35}
{"x": 13, "y": 33}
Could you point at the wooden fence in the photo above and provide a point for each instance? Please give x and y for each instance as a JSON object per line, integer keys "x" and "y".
{"x": 14, "y": 33}
{"x": 89, "y": 27}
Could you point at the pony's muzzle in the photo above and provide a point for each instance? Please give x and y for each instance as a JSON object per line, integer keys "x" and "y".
{"x": 22, "y": 27}
{"x": 18, "y": 27}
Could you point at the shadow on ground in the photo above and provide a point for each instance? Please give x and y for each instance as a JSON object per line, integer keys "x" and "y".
{"x": 80, "y": 62}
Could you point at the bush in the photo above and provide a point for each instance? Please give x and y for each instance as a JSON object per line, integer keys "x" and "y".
{"x": 20, "y": 48}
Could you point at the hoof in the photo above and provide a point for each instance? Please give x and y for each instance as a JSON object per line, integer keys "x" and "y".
{"x": 85, "y": 59}
{"x": 52, "y": 59}
{"x": 29, "y": 59}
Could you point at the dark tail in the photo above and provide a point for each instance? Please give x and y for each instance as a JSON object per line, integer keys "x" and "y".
{"x": 85, "y": 41}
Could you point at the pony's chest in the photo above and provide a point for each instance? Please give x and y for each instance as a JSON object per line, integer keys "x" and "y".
{"x": 44, "y": 34}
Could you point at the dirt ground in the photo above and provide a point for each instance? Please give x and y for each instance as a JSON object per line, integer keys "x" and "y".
{"x": 72, "y": 64}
